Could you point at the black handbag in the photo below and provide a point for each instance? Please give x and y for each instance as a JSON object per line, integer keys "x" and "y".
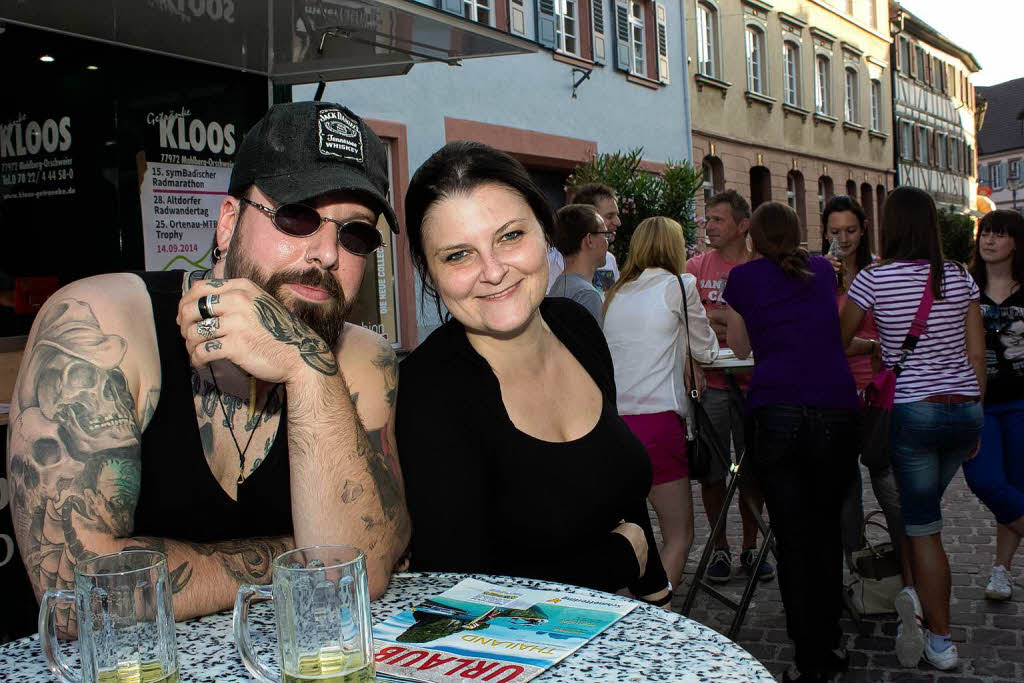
{"x": 698, "y": 455}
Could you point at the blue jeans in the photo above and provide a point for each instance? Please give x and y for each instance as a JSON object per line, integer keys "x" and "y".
{"x": 929, "y": 443}
{"x": 997, "y": 475}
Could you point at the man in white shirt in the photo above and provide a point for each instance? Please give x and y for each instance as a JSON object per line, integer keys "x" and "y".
{"x": 582, "y": 239}
{"x": 602, "y": 198}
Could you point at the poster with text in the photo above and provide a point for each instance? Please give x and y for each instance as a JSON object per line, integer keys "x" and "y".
{"x": 180, "y": 205}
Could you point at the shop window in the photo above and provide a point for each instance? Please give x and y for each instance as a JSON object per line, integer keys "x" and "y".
{"x": 760, "y": 186}
{"x": 826, "y": 191}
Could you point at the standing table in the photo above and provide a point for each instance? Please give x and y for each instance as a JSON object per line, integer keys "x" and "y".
{"x": 728, "y": 361}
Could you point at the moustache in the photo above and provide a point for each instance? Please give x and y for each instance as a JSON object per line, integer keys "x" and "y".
{"x": 309, "y": 278}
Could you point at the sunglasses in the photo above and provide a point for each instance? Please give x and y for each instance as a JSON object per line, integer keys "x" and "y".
{"x": 298, "y": 220}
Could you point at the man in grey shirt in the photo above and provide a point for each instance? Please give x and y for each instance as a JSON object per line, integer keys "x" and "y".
{"x": 582, "y": 238}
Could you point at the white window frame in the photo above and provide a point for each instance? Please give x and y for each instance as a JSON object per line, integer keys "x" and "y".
{"x": 791, "y": 72}
{"x": 473, "y": 7}
{"x": 753, "y": 38}
{"x": 876, "y": 104}
{"x": 997, "y": 174}
{"x": 823, "y": 84}
{"x": 637, "y": 65}
{"x": 707, "y": 39}
{"x": 907, "y": 140}
{"x": 562, "y": 17}
{"x": 1013, "y": 168}
{"x": 850, "y": 93}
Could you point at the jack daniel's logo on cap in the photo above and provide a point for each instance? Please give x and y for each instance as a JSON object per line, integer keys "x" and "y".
{"x": 339, "y": 135}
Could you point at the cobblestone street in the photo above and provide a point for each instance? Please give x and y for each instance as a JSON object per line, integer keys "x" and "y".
{"x": 988, "y": 634}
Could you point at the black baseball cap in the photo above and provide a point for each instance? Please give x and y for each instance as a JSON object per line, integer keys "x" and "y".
{"x": 302, "y": 150}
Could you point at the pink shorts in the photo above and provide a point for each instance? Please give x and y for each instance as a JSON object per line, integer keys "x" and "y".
{"x": 664, "y": 437}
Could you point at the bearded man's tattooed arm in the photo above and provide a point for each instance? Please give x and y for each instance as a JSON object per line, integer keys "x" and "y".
{"x": 74, "y": 460}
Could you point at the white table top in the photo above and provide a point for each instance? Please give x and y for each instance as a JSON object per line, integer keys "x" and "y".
{"x": 648, "y": 644}
{"x": 727, "y": 360}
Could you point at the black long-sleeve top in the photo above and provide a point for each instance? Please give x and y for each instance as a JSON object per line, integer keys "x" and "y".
{"x": 486, "y": 497}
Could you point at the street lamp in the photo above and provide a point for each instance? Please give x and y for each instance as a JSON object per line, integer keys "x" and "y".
{"x": 1014, "y": 184}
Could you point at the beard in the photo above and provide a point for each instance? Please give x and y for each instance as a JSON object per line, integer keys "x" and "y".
{"x": 326, "y": 318}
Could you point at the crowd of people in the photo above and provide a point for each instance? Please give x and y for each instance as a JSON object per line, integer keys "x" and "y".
{"x": 528, "y": 433}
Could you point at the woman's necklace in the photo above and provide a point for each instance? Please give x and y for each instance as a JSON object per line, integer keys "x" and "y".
{"x": 252, "y": 411}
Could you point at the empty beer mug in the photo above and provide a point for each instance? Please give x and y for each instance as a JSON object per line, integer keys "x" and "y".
{"x": 322, "y": 607}
{"x": 125, "y": 621}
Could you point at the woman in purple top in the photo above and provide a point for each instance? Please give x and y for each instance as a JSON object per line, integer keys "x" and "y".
{"x": 803, "y": 402}
{"x": 937, "y": 415}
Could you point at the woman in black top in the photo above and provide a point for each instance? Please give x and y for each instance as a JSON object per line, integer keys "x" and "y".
{"x": 515, "y": 459}
{"x": 996, "y": 475}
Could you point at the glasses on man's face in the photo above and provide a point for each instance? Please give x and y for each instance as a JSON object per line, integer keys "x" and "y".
{"x": 608, "y": 234}
{"x": 298, "y": 220}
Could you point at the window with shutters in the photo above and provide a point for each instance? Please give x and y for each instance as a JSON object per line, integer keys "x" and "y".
{"x": 707, "y": 40}
{"x": 954, "y": 156}
{"x": 1013, "y": 169}
{"x": 480, "y": 11}
{"x": 940, "y": 150}
{"x": 637, "y": 38}
{"x": 906, "y": 140}
{"x": 791, "y": 72}
{"x": 905, "y": 65}
{"x": 597, "y": 21}
{"x": 922, "y": 63}
{"x": 822, "y": 84}
{"x": 755, "y": 61}
{"x": 851, "y": 95}
{"x": 997, "y": 174}
{"x": 876, "y": 105}
{"x": 923, "y": 133}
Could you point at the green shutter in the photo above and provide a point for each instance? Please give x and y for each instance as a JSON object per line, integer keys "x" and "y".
{"x": 622, "y": 45}
{"x": 661, "y": 26}
{"x": 597, "y": 14}
{"x": 546, "y": 23}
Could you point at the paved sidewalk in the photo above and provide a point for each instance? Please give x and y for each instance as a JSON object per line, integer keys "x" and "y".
{"x": 988, "y": 634}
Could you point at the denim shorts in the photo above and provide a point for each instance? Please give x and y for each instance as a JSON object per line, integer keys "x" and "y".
{"x": 929, "y": 443}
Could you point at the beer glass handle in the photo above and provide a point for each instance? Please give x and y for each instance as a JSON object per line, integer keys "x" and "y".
{"x": 48, "y": 635}
{"x": 248, "y": 594}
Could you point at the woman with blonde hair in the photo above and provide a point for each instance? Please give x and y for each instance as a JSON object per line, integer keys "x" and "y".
{"x": 653, "y": 319}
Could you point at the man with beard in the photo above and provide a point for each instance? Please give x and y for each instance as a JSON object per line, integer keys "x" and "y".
{"x": 222, "y": 417}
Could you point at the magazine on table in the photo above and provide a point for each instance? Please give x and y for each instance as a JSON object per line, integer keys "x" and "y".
{"x": 483, "y": 631}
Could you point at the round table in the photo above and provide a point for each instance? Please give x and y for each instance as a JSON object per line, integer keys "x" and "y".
{"x": 648, "y": 644}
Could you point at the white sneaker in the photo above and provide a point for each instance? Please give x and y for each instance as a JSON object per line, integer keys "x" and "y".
{"x": 945, "y": 660}
{"x": 910, "y": 639}
{"x": 999, "y": 587}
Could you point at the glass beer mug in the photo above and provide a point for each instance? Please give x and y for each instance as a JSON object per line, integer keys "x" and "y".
{"x": 123, "y": 606}
{"x": 322, "y": 608}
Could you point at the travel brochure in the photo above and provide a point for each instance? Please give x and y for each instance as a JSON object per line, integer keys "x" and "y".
{"x": 482, "y": 631}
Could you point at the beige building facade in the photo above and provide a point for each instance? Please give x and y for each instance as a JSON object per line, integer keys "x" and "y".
{"x": 792, "y": 102}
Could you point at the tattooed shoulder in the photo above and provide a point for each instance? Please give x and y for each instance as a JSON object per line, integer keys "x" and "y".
{"x": 74, "y": 447}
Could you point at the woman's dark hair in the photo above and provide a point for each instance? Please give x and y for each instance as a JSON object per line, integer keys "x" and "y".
{"x": 910, "y": 231}
{"x": 839, "y": 204}
{"x": 775, "y": 232}
{"x": 1001, "y": 222}
{"x": 458, "y": 168}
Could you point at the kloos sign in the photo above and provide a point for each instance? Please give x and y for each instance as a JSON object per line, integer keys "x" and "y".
{"x": 194, "y": 135}
{"x": 21, "y": 138}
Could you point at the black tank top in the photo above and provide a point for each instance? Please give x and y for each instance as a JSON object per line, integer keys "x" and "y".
{"x": 180, "y": 498}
